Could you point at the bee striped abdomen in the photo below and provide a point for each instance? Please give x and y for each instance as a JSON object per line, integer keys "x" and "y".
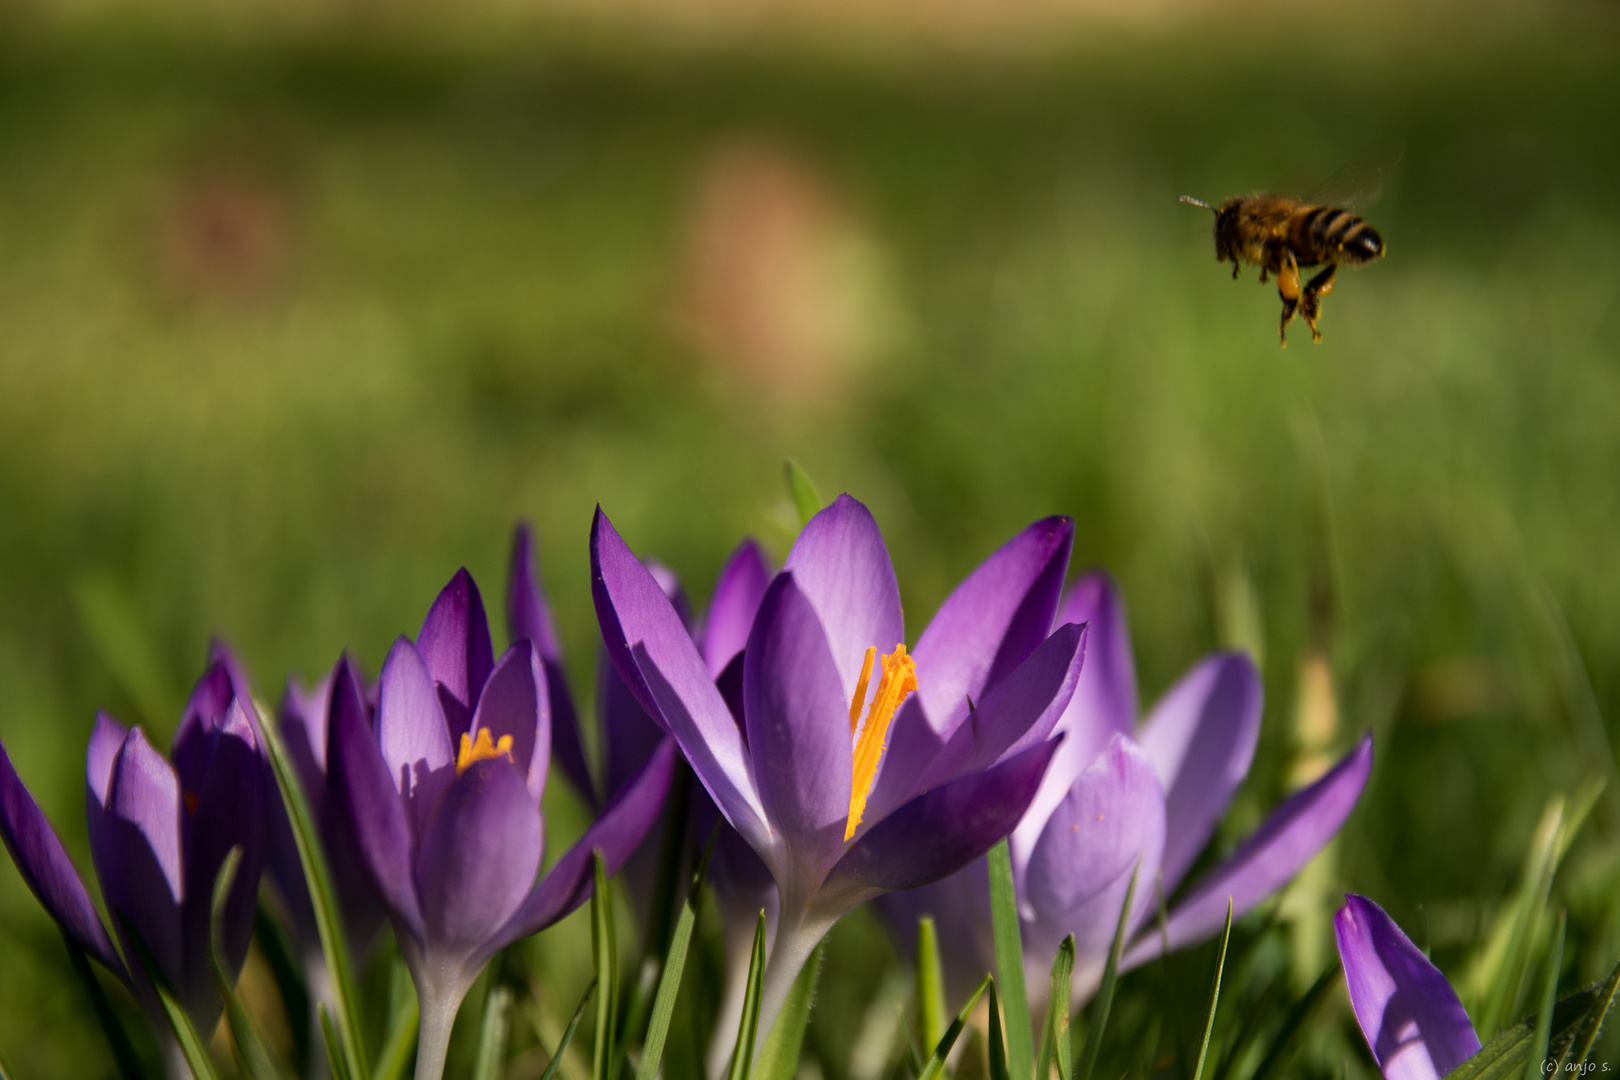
{"x": 1332, "y": 234}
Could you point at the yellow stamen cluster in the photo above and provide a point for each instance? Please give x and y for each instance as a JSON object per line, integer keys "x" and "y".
{"x": 482, "y": 749}
{"x": 899, "y": 678}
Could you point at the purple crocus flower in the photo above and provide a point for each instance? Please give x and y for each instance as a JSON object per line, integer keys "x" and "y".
{"x": 805, "y": 778}
{"x": 443, "y": 798}
{"x": 1118, "y": 793}
{"x": 1409, "y": 1015}
{"x": 159, "y": 833}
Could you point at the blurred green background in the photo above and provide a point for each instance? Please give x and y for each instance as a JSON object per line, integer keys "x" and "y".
{"x": 298, "y": 315}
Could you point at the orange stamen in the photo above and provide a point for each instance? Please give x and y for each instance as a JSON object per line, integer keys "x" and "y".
{"x": 899, "y": 678}
{"x": 860, "y": 690}
{"x": 482, "y": 749}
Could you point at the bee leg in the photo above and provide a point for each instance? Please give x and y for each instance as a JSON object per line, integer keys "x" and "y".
{"x": 1236, "y": 266}
{"x": 1311, "y": 304}
{"x": 1288, "y": 289}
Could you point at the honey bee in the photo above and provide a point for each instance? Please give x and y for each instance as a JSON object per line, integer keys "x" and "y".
{"x": 1279, "y": 235}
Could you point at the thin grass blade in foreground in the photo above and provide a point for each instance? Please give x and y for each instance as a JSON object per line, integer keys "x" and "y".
{"x": 405, "y": 1018}
{"x": 1507, "y": 1056}
{"x": 568, "y": 1032}
{"x": 1549, "y": 997}
{"x": 251, "y": 1053}
{"x": 1010, "y": 962}
{"x": 935, "y": 1065}
{"x": 1282, "y": 1047}
{"x": 490, "y": 1063}
{"x": 605, "y": 953}
{"x": 669, "y": 982}
{"x": 930, "y": 983}
{"x": 334, "y": 1054}
{"x": 742, "y": 1057}
{"x": 129, "y": 1066}
{"x": 1104, "y": 1002}
{"x": 806, "y": 499}
{"x": 1214, "y": 996}
{"x": 192, "y": 1048}
{"x": 1498, "y": 972}
{"x": 779, "y": 1058}
{"x": 1055, "y": 1043}
{"x": 322, "y": 895}
{"x": 998, "y": 1045}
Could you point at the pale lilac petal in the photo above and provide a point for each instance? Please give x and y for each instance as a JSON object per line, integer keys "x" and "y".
{"x": 1104, "y": 702}
{"x": 368, "y": 808}
{"x": 1081, "y": 867}
{"x": 798, "y": 728}
{"x": 106, "y": 740}
{"x": 455, "y": 646}
{"x": 411, "y": 726}
{"x": 654, "y": 654}
{"x": 1288, "y": 839}
{"x": 841, "y": 565}
{"x": 1018, "y": 712}
{"x": 229, "y": 812}
{"x": 480, "y": 852}
{"x": 616, "y": 834}
{"x": 1409, "y": 1014}
{"x": 514, "y": 703}
{"x": 993, "y": 621}
{"x": 47, "y": 870}
{"x": 303, "y": 728}
{"x": 1201, "y": 737}
{"x": 139, "y": 865}
{"x": 938, "y": 833}
{"x": 737, "y": 593}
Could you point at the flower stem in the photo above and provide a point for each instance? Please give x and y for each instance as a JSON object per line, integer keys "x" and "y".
{"x": 433, "y": 1039}
{"x": 796, "y": 938}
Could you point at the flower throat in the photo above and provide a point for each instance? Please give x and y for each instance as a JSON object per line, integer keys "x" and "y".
{"x": 899, "y": 678}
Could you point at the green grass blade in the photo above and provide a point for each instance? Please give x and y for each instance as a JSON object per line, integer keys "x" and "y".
{"x": 1010, "y": 964}
{"x": 1549, "y": 998}
{"x": 1058, "y": 1006}
{"x": 1599, "y": 1011}
{"x": 129, "y": 1066}
{"x": 493, "y": 1033}
{"x": 1282, "y": 1047}
{"x": 568, "y": 1033}
{"x": 669, "y": 981}
{"x": 605, "y": 954}
{"x": 334, "y": 1052}
{"x": 1214, "y": 995}
{"x": 1103, "y": 1004}
{"x": 322, "y": 896}
{"x": 779, "y": 1057}
{"x": 251, "y": 1053}
{"x": 998, "y": 1044}
{"x": 192, "y": 1047}
{"x": 1501, "y": 968}
{"x": 806, "y": 500}
{"x": 742, "y": 1056}
{"x": 1506, "y": 1056}
{"x": 935, "y": 1064}
{"x": 277, "y": 949}
{"x": 404, "y": 1021}
{"x": 930, "y": 983}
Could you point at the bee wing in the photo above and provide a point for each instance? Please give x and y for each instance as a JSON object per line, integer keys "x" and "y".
{"x": 1362, "y": 180}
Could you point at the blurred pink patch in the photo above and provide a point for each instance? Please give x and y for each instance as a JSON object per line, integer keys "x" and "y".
{"x": 223, "y": 232}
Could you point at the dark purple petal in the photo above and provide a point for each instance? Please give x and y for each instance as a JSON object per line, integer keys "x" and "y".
{"x": 1288, "y": 839}
{"x": 411, "y": 726}
{"x": 1018, "y": 712}
{"x": 938, "y": 833}
{"x": 228, "y": 812}
{"x": 616, "y": 834}
{"x": 1081, "y": 867}
{"x": 205, "y": 709}
{"x": 841, "y": 565}
{"x": 993, "y": 621}
{"x": 629, "y": 735}
{"x": 514, "y": 703}
{"x": 139, "y": 862}
{"x": 737, "y": 593}
{"x": 356, "y": 894}
{"x": 455, "y": 646}
{"x": 45, "y": 866}
{"x": 798, "y": 728}
{"x": 1201, "y": 737}
{"x": 1411, "y": 1017}
{"x": 480, "y": 852}
{"x": 367, "y": 807}
{"x": 654, "y": 654}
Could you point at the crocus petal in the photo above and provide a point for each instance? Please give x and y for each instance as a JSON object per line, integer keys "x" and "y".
{"x": 1018, "y": 712}
{"x": 479, "y": 855}
{"x": 798, "y": 728}
{"x": 1080, "y": 869}
{"x": 139, "y": 863}
{"x": 1103, "y": 705}
{"x": 455, "y": 646}
{"x": 737, "y": 593}
{"x": 514, "y": 703}
{"x": 1201, "y": 737}
{"x": 654, "y": 654}
{"x": 629, "y": 735}
{"x": 229, "y": 812}
{"x": 106, "y": 740}
{"x": 993, "y": 621}
{"x": 367, "y": 806}
{"x": 841, "y": 565}
{"x": 411, "y": 726}
{"x": 1411, "y": 1017}
{"x": 206, "y": 707}
{"x": 303, "y": 728}
{"x": 616, "y": 834}
{"x": 45, "y": 866}
{"x": 940, "y": 832}
{"x": 1288, "y": 839}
